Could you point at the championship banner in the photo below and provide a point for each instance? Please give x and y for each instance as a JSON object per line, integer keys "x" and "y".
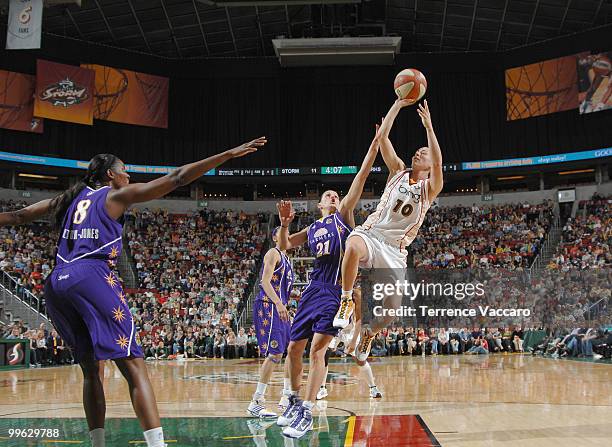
{"x": 24, "y": 24}
{"x": 17, "y": 102}
{"x": 595, "y": 82}
{"x": 541, "y": 88}
{"x": 129, "y": 97}
{"x": 64, "y": 92}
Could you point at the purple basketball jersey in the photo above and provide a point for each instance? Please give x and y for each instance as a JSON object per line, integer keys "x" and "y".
{"x": 88, "y": 231}
{"x": 272, "y": 332}
{"x": 282, "y": 279}
{"x": 326, "y": 240}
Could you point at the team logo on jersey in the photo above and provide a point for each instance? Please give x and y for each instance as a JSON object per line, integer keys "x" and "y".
{"x": 320, "y": 232}
{"x": 328, "y": 221}
{"x": 274, "y": 344}
{"x": 413, "y": 191}
{"x": 64, "y": 93}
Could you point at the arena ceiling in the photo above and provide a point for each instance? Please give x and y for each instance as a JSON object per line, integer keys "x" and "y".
{"x": 244, "y": 28}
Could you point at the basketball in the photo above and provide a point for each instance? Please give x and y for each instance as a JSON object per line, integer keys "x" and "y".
{"x": 410, "y": 84}
{"x": 602, "y": 66}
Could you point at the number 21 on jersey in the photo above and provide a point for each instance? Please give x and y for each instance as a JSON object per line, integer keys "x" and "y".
{"x": 323, "y": 248}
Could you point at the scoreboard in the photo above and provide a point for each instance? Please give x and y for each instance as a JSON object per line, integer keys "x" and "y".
{"x": 322, "y": 170}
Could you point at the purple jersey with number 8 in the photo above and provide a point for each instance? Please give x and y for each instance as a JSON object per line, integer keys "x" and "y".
{"x": 84, "y": 298}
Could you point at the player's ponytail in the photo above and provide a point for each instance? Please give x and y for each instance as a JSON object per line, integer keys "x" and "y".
{"x": 95, "y": 176}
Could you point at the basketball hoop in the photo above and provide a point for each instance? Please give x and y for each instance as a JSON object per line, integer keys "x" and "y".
{"x": 108, "y": 96}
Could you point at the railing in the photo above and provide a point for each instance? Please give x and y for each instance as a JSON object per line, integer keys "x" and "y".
{"x": 24, "y": 296}
{"x": 127, "y": 262}
{"x": 549, "y": 245}
{"x": 594, "y": 310}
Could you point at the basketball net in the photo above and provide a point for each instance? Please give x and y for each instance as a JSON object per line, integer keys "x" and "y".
{"x": 108, "y": 96}
{"x": 9, "y": 113}
{"x": 150, "y": 91}
{"x": 526, "y": 101}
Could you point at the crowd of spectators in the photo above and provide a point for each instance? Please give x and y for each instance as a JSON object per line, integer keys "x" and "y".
{"x": 26, "y": 252}
{"x": 410, "y": 341}
{"x": 497, "y": 236}
{"x": 581, "y": 342}
{"x": 586, "y": 238}
{"x": 194, "y": 273}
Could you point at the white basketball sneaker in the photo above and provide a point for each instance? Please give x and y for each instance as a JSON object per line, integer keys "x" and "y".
{"x": 290, "y": 413}
{"x": 375, "y": 392}
{"x": 257, "y": 408}
{"x": 301, "y": 425}
{"x": 322, "y": 394}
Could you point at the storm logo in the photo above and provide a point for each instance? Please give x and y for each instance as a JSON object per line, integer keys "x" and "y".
{"x": 15, "y": 355}
{"x": 65, "y": 93}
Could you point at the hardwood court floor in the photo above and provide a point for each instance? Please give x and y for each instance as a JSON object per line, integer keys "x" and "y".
{"x": 465, "y": 401}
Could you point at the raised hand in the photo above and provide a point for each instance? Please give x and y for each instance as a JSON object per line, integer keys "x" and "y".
{"x": 405, "y": 102}
{"x": 285, "y": 212}
{"x": 423, "y": 112}
{"x": 247, "y": 148}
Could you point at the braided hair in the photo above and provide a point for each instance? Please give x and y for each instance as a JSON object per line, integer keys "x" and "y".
{"x": 94, "y": 178}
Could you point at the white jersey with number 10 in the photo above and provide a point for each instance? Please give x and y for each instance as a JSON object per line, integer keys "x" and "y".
{"x": 400, "y": 212}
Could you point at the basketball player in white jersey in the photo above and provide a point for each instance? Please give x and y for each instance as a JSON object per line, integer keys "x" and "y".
{"x": 382, "y": 240}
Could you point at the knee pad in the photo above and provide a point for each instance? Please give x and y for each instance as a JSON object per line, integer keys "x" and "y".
{"x": 274, "y": 359}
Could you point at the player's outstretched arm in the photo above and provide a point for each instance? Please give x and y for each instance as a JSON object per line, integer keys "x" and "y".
{"x": 155, "y": 189}
{"x": 393, "y": 162}
{"x": 286, "y": 214}
{"x": 270, "y": 260}
{"x": 436, "y": 178}
{"x": 26, "y": 215}
{"x": 349, "y": 202}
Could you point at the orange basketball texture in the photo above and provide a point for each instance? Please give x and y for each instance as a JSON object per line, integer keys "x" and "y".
{"x": 410, "y": 84}
{"x": 602, "y": 66}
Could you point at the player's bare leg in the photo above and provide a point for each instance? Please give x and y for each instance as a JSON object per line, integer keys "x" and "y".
{"x": 316, "y": 374}
{"x": 257, "y": 406}
{"x": 94, "y": 401}
{"x": 322, "y": 393}
{"x": 295, "y": 351}
{"x": 356, "y": 251}
{"x": 143, "y": 399}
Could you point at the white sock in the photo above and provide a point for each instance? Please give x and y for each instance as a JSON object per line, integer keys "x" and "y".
{"x": 347, "y": 293}
{"x": 325, "y": 378}
{"x": 367, "y": 371}
{"x": 308, "y": 404}
{"x": 155, "y": 437}
{"x": 261, "y": 389}
{"x": 286, "y": 384}
{"x": 97, "y": 437}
